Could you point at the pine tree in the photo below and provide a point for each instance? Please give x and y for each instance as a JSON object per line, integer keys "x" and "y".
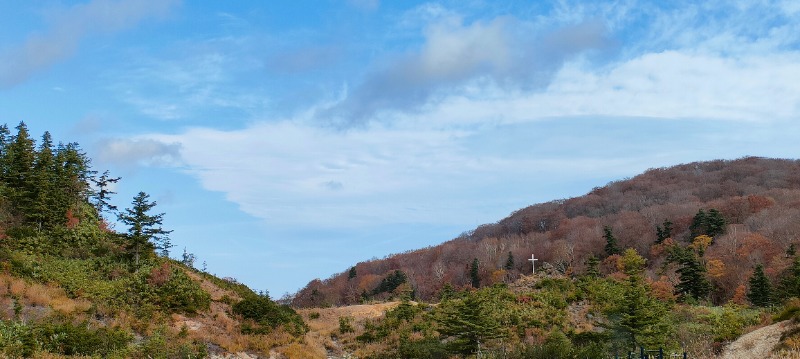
{"x": 662, "y": 233}
{"x": 692, "y": 273}
{"x": 102, "y": 193}
{"x": 473, "y": 274}
{"x": 760, "y": 293}
{"x": 711, "y": 224}
{"x": 144, "y": 233}
{"x": 20, "y": 157}
{"x": 509, "y": 262}
{"x": 640, "y": 318}
{"x": 352, "y": 274}
{"x": 45, "y": 212}
{"x": 470, "y": 323}
{"x": 593, "y": 267}
{"x": 789, "y": 285}
{"x": 611, "y": 247}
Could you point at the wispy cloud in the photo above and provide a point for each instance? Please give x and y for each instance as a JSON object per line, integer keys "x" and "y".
{"x": 134, "y": 152}
{"x": 498, "y": 50}
{"x": 68, "y": 28}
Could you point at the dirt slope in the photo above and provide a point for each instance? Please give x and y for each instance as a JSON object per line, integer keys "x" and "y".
{"x": 759, "y": 343}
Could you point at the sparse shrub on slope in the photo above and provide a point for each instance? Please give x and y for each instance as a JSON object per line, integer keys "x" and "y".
{"x": 262, "y": 315}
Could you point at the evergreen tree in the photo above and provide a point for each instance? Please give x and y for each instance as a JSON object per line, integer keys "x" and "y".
{"x": 509, "y": 262}
{"x": 692, "y": 273}
{"x": 102, "y": 193}
{"x": 470, "y": 323}
{"x": 352, "y": 274}
{"x": 640, "y": 319}
{"x": 188, "y": 258}
{"x": 664, "y": 232}
{"x": 711, "y": 224}
{"x": 144, "y": 233}
{"x": 20, "y": 158}
{"x": 45, "y": 212}
{"x": 760, "y": 293}
{"x": 473, "y": 274}
{"x": 789, "y": 285}
{"x": 593, "y": 267}
{"x": 611, "y": 247}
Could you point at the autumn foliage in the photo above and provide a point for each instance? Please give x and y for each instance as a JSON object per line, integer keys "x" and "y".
{"x": 750, "y": 216}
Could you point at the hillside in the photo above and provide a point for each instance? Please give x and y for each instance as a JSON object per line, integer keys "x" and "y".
{"x": 758, "y": 198}
{"x": 71, "y": 286}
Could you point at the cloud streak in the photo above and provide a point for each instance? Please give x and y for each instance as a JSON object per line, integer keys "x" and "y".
{"x": 499, "y": 51}
{"x": 68, "y": 28}
{"x": 133, "y": 152}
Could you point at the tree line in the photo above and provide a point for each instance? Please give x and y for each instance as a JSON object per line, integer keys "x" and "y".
{"x": 746, "y": 207}
{"x": 47, "y": 189}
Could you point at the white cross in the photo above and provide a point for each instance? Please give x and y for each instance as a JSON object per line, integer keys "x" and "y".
{"x": 533, "y": 262}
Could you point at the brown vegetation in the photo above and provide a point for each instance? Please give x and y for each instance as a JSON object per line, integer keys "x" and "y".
{"x": 759, "y": 199}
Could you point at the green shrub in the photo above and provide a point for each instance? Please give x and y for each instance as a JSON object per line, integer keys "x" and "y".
{"x": 266, "y": 315}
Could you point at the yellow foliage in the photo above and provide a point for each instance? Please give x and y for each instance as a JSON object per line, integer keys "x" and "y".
{"x": 701, "y": 242}
{"x": 716, "y": 268}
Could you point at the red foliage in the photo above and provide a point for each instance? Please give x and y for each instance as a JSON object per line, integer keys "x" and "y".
{"x": 72, "y": 221}
{"x": 759, "y": 198}
{"x": 159, "y": 275}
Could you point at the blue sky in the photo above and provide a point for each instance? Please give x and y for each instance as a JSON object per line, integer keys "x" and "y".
{"x": 287, "y": 141}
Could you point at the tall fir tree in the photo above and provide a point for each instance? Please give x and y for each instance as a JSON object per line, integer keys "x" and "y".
{"x": 789, "y": 284}
{"x": 144, "y": 233}
{"x": 593, "y": 267}
{"x": 45, "y": 213}
{"x": 662, "y": 233}
{"x": 470, "y": 324}
{"x": 611, "y": 247}
{"x": 639, "y": 319}
{"x": 760, "y": 292}
{"x": 102, "y": 193}
{"x": 20, "y": 157}
{"x": 474, "y": 274}
{"x": 509, "y": 262}
{"x": 693, "y": 282}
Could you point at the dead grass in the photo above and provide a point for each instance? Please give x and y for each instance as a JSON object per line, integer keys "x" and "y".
{"x": 324, "y": 324}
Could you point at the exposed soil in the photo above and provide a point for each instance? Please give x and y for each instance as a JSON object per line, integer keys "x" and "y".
{"x": 759, "y": 343}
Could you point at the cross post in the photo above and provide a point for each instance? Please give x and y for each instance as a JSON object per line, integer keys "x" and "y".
{"x": 533, "y": 263}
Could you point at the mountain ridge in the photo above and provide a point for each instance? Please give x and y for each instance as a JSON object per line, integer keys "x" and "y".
{"x": 566, "y": 232}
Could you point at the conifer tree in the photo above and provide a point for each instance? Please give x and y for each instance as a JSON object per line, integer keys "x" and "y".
{"x": 593, "y": 267}
{"x": 611, "y": 247}
{"x": 640, "y": 318}
{"x": 509, "y": 262}
{"x": 473, "y": 274}
{"x": 144, "y": 233}
{"x": 45, "y": 211}
{"x": 20, "y": 157}
{"x": 352, "y": 274}
{"x": 470, "y": 323}
{"x": 102, "y": 193}
{"x": 789, "y": 285}
{"x": 692, "y": 273}
{"x": 760, "y": 293}
{"x": 664, "y": 232}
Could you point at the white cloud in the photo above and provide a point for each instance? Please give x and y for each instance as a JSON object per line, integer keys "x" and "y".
{"x": 68, "y": 28}
{"x": 131, "y": 152}
{"x": 454, "y": 53}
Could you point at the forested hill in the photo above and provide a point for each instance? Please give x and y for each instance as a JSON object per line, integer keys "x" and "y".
{"x": 722, "y": 217}
{"x": 70, "y": 285}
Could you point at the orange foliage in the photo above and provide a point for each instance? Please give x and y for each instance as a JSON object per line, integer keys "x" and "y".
{"x": 716, "y": 268}
{"x": 663, "y": 289}
{"x": 740, "y": 295}
{"x": 72, "y": 221}
{"x": 159, "y": 275}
